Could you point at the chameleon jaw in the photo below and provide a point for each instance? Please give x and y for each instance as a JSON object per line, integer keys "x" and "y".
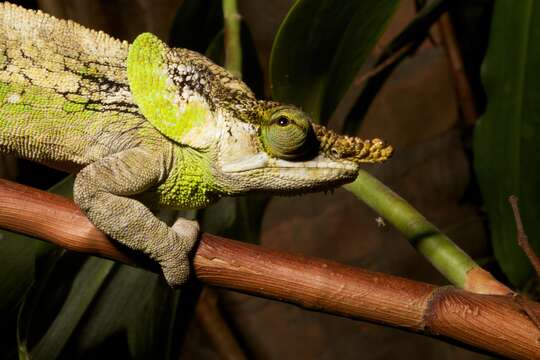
{"x": 263, "y": 160}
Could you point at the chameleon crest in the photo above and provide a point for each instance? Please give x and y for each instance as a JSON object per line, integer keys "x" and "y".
{"x": 174, "y": 110}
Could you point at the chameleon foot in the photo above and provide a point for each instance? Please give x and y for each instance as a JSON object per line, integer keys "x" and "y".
{"x": 176, "y": 267}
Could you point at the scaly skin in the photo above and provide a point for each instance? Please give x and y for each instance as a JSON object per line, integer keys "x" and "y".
{"x": 144, "y": 125}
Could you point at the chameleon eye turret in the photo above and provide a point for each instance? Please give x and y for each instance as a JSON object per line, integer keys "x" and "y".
{"x": 286, "y": 134}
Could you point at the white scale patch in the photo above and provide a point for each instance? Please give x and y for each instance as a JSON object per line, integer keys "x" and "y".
{"x": 13, "y": 98}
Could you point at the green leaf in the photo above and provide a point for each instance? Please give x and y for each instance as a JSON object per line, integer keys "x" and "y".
{"x": 45, "y": 263}
{"x": 16, "y": 268}
{"x": 132, "y": 314}
{"x": 507, "y": 159}
{"x": 320, "y": 47}
{"x": 16, "y": 275}
{"x": 99, "y": 308}
{"x": 84, "y": 288}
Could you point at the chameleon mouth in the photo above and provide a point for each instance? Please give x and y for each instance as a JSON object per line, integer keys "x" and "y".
{"x": 262, "y": 160}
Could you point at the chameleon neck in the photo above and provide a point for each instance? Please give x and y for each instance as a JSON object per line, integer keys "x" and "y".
{"x": 191, "y": 183}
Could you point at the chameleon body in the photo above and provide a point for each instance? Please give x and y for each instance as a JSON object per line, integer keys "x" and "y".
{"x": 144, "y": 125}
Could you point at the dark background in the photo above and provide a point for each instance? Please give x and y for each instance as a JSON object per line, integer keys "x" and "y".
{"x": 417, "y": 111}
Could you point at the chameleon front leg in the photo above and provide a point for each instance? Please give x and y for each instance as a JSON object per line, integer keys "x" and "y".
{"x": 102, "y": 191}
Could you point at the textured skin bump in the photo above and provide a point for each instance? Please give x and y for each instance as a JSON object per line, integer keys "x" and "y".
{"x": 190, "y": 184}
{"x": 352, "y": 148}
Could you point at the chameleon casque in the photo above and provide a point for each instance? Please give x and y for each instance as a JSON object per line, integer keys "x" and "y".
{"x": 144, "y": 125}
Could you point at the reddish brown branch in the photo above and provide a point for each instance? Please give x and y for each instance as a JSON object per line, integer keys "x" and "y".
{"x": 360, "y": 80}
{"x": 522, "y": 238}
{"x": 487, "y": 322}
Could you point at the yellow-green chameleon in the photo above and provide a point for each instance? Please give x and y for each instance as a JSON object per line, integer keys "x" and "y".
{"x": 144, "y": 125}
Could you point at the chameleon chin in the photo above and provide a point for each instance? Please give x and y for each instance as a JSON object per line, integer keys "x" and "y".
{"x": 143, "y": 118}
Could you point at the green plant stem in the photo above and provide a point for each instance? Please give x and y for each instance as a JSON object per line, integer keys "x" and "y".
{"x": 233, "y": 49}
{"x": 446, "y": 256}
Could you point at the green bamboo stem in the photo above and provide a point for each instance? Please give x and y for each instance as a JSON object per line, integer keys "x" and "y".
{"x": 233, "y": 47}
{"x": 442, "y": 252}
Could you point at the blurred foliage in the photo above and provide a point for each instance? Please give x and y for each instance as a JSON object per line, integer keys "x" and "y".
{"x": 319, "y": 49}
{"x": 472, "y": 20}
{"x": 17, "y": 267}
{"x": 507, "y": 159}
{"x": 196, "y": 24}
{"x": 411, "y": 37}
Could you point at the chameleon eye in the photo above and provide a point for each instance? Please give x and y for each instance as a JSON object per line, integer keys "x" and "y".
{"x": 285, "y": 136}
{"x": 282, "y": 121}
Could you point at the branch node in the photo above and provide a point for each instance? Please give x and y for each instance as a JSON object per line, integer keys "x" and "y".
{"x": 521, "y": 302}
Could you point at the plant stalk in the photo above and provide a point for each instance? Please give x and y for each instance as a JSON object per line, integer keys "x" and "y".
{"x": 233, "y": 46}
{"x": 443, "y": 253}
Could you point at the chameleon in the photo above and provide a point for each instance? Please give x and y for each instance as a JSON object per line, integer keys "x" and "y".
{"x": 145, "y": 126}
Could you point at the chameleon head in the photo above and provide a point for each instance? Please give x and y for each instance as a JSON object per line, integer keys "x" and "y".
{"x": 284, "y": 152}
{"x": 248, "y": 145}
